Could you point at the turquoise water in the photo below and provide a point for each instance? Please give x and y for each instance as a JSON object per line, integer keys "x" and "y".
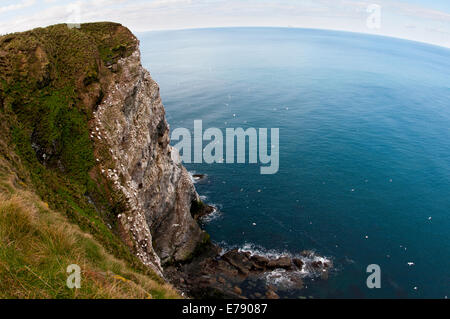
{"x": 364, "y": 148}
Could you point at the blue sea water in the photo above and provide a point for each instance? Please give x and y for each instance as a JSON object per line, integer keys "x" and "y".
{"x": 364, "y": 148}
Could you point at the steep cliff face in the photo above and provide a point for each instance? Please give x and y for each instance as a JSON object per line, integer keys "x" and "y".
{"x": 131, "y": 123}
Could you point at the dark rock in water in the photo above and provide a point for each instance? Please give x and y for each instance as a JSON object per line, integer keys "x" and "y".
{"x": 235, "y": 274}
{"x": 260, "y": 261}
{"x": 208, "y": 209}
{"x": 200, "y": 209}
{"x": 282, "y": 262}
{"x": 298, "y": 262}
{"x": 317, "y": 264}
{"x": 239, "y": 260}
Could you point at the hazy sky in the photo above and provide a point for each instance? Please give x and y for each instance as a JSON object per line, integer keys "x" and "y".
{"x": 420, "y": 20}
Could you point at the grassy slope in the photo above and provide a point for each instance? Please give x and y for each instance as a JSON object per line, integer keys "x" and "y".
{"x": 50, "y": 82}
{"x": 37, "y": 245}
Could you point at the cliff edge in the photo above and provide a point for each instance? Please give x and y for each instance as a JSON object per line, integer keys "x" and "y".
{"x": 84, "y": 126}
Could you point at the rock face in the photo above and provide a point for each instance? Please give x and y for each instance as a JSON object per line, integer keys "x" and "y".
{"x": 131, "y": 124}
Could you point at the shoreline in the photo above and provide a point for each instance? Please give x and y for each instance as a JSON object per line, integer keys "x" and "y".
{"x": 217, "y": 272}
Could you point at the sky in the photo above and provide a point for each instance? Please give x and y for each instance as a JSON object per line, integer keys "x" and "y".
{"x": 418, "y": 20}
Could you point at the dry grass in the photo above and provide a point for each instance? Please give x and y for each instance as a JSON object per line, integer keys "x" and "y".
{"x": 37, "y": 244}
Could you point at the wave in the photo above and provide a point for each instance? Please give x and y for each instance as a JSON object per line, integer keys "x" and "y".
{"x": 195, "y": 177}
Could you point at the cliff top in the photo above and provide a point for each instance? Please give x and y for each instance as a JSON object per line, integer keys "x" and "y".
{"x": 52, "y": 78}
{"x": 71, "y": 48}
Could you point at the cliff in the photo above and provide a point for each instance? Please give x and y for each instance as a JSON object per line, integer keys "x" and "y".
{"x": 83, "y": 133}
{"x": 84, "y": 128}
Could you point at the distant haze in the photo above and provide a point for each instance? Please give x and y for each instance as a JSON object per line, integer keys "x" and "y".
{"x": 418, "y": 20}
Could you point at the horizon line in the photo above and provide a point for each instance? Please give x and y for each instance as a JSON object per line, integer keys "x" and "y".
{"x": 293, "y": 27}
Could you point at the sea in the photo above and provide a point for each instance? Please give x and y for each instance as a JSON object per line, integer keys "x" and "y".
{"x": 364, "y": 149}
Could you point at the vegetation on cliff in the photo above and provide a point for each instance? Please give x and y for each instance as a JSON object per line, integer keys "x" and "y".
{"x": 51, "y": 80}
{"x": 37, "y": 245}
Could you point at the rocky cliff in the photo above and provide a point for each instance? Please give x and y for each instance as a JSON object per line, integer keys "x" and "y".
{"x": 131, "y": 123}
{"x": 82, "y": 124}
{"x": 87, "y": 121}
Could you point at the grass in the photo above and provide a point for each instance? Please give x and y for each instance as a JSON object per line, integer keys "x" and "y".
{"x": 37, "y": 245}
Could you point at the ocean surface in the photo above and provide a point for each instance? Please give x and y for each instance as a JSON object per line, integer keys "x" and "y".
{"x": 364, "y": 125}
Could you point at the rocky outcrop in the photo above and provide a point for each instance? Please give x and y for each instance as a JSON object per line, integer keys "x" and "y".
{"x": 131, "y": 129}
{"x": 243, "y": 274}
